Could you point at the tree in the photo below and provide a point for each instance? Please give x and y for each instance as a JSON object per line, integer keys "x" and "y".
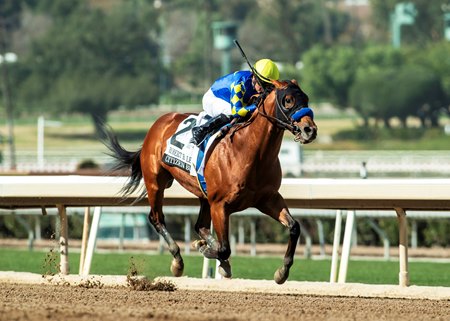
{"x": 192, "y": 61}
{"x": 329, "y": 73}
{"x": 418, "y": 93}
{"x": 435, "y": 58}
{"x": 428, "y": 25}
{"x": 9, "y": 20}
{"x": 400, "y": 92}
{"x": 369, "y": 96}
{"x": 379, "y": 57}
{"x": 94, "y": 62}
{"x": 378, "y": 82}
{"x": 284, "y": 30}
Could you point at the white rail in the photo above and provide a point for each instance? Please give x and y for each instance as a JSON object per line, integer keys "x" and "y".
{"x": 294, "y": 161}
{"x": 401, "y": 195}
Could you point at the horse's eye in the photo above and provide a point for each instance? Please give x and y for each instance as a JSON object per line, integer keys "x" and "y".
{"x": 289, "y": 101}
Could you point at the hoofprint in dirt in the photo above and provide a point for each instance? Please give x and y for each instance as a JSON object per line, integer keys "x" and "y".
{"x": 38, "y": 302}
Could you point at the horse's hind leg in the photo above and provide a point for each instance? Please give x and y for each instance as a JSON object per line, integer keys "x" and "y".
{"x": 156, "y": 217}
{"x": 275, "y": 206}
{"x": 177, "y": 265}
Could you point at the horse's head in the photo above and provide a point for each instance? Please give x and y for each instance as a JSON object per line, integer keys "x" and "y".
{"x": 292, "y": 111}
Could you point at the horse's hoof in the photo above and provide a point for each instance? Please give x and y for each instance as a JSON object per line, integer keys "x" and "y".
{"x": 281, "y": 275}
{"x": 203, "y": 248}
{"x": 198, "y": 244}
{"x": 225, "y": 269}
{"x": 177, "y": 267}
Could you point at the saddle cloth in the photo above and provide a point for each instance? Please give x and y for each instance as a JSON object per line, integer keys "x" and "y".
{"x": 185, "y": 155}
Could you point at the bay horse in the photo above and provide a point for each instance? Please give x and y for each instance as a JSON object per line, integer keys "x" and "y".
{"x": 241, "y": 171}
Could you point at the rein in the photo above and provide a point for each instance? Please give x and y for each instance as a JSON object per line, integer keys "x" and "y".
{"x": 258, "y": 101}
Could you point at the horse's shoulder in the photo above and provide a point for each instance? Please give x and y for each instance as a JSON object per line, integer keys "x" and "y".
{"x": 224, "y": 150}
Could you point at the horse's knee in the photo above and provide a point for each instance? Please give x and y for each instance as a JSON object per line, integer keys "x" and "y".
{"x": 154, "y": 222}
{"x": 151, "y": 219}
{"x": 294, "y": 231}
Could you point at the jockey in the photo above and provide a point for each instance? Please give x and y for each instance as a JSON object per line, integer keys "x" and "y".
{"x": 229, "y": 97}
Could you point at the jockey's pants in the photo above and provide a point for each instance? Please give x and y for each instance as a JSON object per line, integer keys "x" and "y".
{"x": 215, "y": 106}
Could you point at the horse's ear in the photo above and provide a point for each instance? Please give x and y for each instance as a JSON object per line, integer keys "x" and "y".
{"x": 278, "y": 84}
{"x": 295, "y": 82}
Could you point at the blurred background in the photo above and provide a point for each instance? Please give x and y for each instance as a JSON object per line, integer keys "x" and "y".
{"x": 377, "y": 73}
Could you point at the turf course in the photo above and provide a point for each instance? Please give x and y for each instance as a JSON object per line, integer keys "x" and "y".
{"x": 152, "y": 265}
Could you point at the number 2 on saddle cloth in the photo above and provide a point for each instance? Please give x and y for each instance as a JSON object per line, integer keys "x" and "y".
{"x": 187, "y": 156}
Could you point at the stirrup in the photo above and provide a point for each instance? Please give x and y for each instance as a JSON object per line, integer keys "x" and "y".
{"x": 198, "y": 135}
{"x": 193, "y": 141}
{"x": 198, "y": 143}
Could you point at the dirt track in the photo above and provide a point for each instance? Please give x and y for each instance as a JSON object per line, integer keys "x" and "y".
{"x": 61, "y": 302}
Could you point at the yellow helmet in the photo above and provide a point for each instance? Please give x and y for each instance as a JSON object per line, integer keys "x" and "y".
{"x": 267, "y": 70}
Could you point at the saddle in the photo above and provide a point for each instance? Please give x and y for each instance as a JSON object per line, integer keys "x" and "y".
{"x": 187, "y": 156}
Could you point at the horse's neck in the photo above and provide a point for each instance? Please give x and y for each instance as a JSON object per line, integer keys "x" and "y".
{"x": 266, "y": 138}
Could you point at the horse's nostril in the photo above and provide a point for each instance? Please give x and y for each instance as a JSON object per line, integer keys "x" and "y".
{"x": 307, "y": 130}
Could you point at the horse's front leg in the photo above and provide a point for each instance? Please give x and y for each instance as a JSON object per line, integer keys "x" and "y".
{"x": 221, "y": 223}
{"x": 275, "y": 206}
{"x": 210, "y": 247}
{"x": 207, "y": 245}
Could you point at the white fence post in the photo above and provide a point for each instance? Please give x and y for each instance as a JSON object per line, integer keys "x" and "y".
{"x": 403, "y": 247}
{"x": 63, "y": 240}
{"x": 84, "y": 239}
{"x": 92, "y": 240}
{"x": 346, "y": 246}
{"x": 336, "y": 244}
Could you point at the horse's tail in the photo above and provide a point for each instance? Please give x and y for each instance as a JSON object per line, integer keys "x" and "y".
{"x": 124, "y": 160}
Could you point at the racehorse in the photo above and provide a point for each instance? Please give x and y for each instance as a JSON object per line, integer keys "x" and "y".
{"x": 241, "y": 171}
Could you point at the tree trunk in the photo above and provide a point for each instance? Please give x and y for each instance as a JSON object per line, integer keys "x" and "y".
{"x": 434, "y": 119}
{"x": 423, "y": 122}
{"x": 366, "y": 121}
{"x": 403, "y": 122}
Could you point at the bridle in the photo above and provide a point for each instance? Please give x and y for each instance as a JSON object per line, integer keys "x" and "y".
{"x": 283, "y": 122}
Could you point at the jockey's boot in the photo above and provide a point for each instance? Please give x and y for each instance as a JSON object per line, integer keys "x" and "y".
{"x": 199, "y": 132}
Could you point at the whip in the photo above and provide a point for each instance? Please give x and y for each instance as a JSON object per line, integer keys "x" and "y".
{"x": 248, "y": 63}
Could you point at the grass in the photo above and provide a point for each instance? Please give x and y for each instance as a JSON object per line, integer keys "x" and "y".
{"x": 77, "y": 133}
{"x": 152, "y": 265}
